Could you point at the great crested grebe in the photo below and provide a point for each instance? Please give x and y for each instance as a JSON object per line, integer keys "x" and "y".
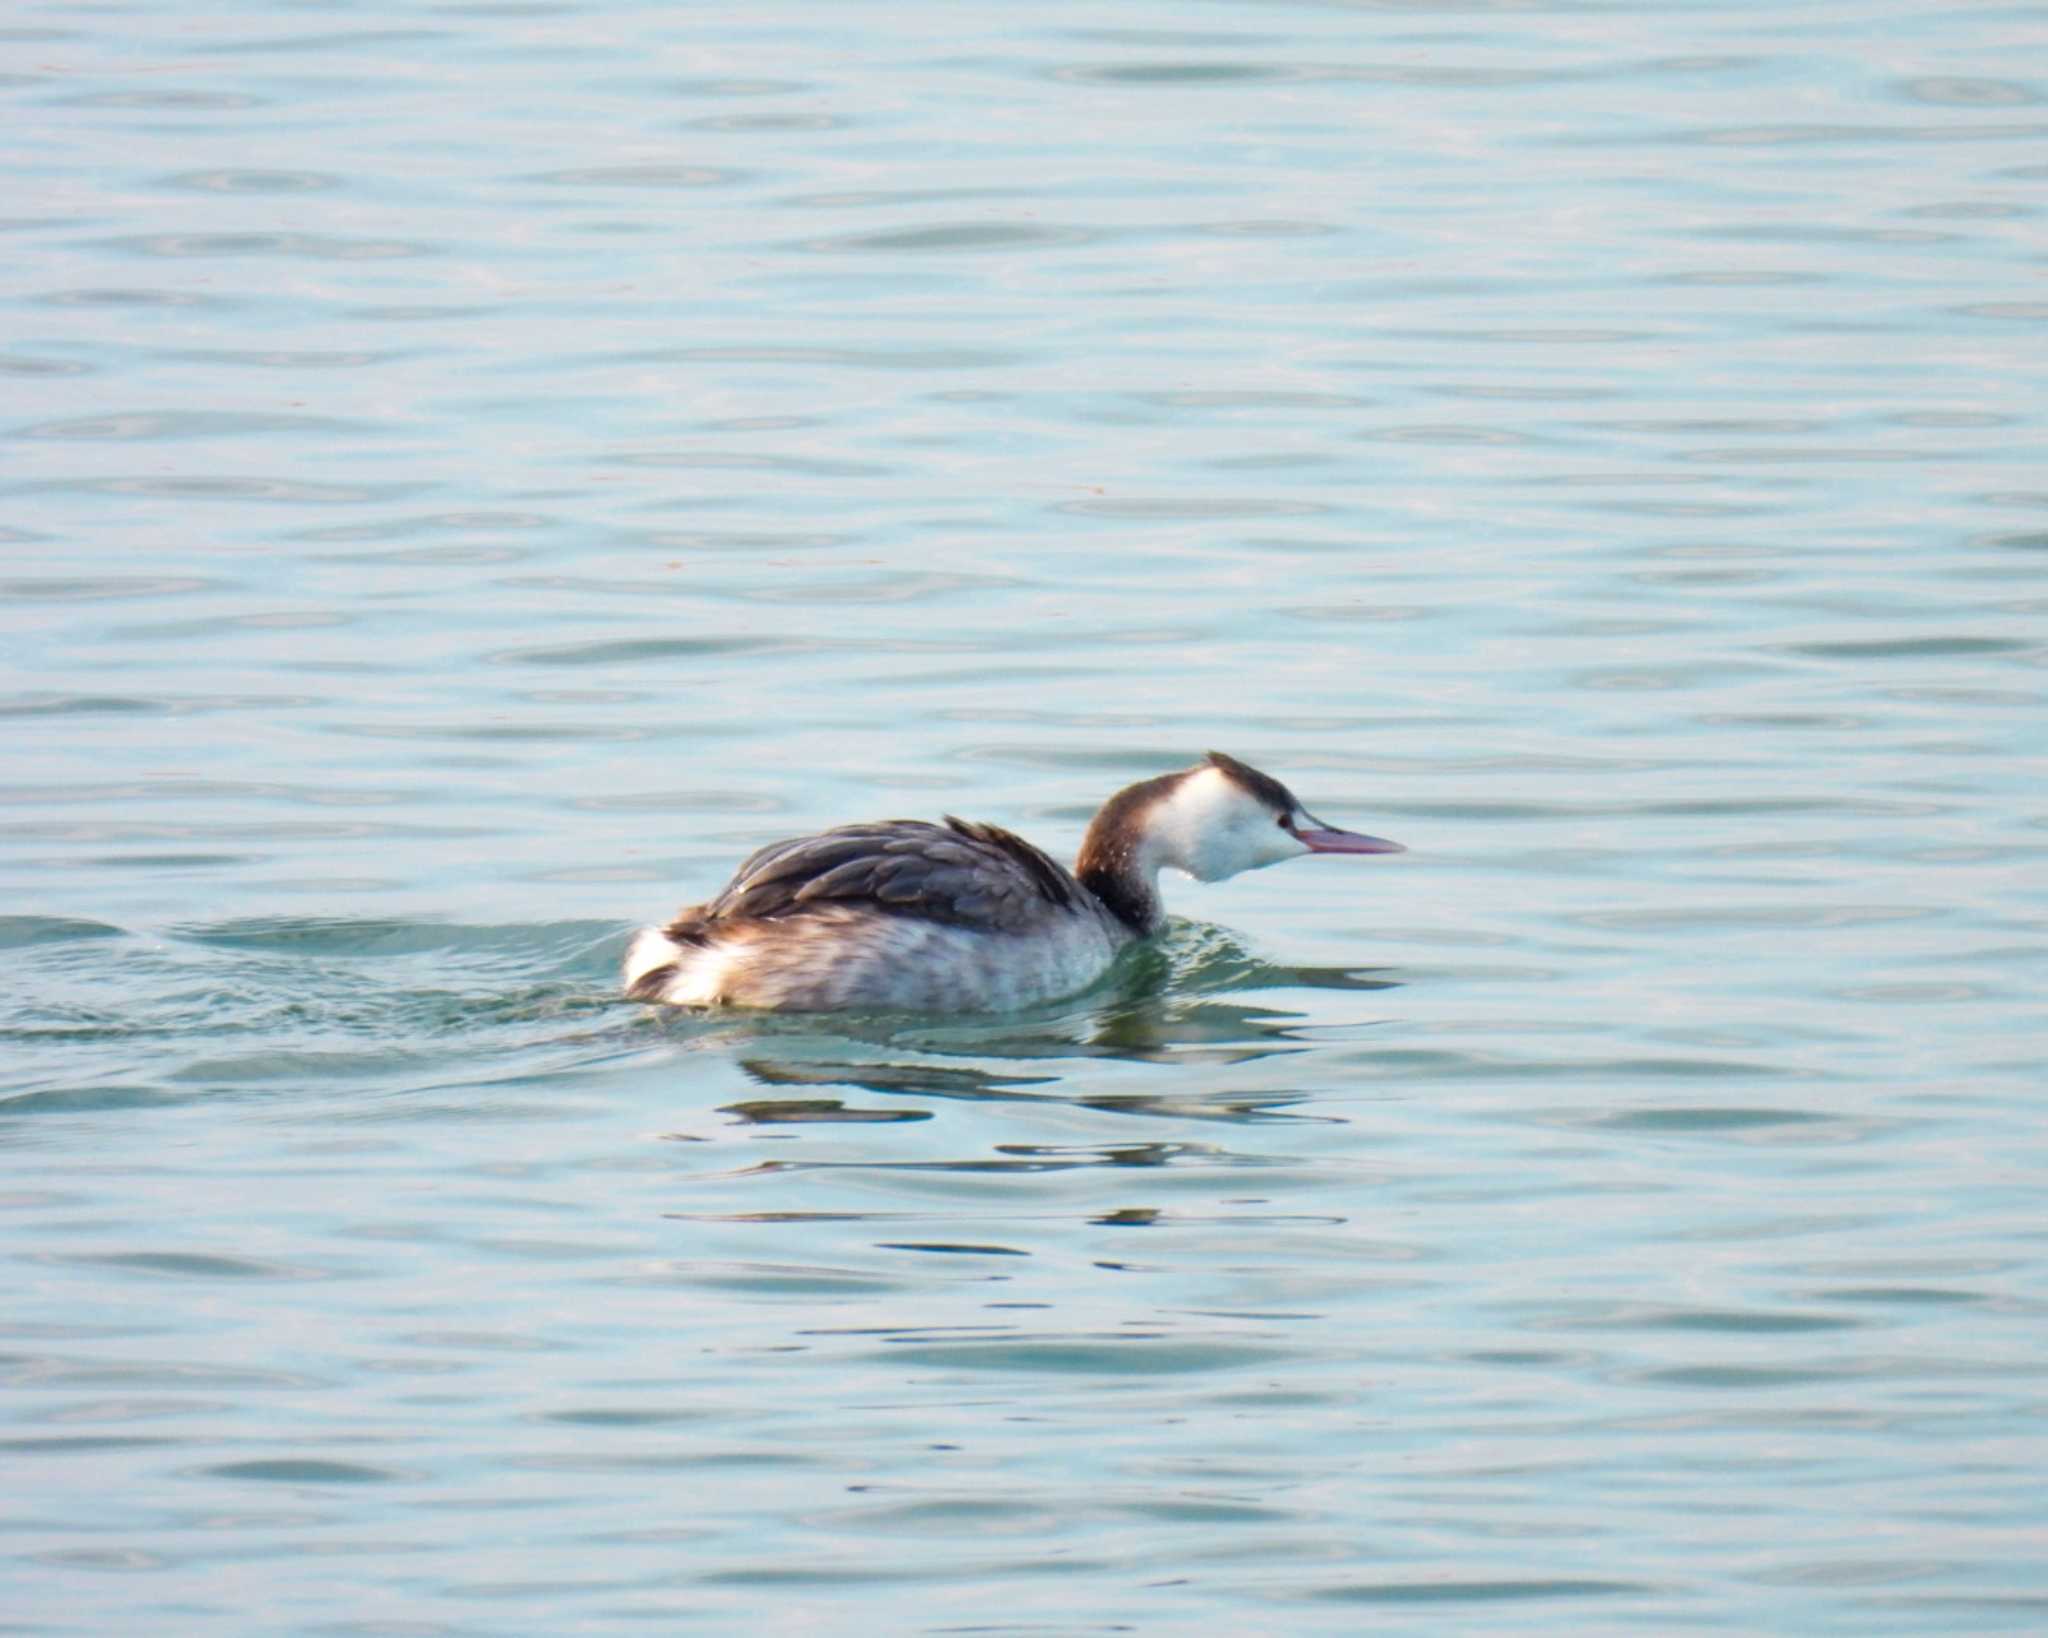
{"x": 965, "y": 917}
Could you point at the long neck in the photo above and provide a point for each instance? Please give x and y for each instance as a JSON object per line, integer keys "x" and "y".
{"x": 1118, "y": 866}
{"x": 1127, "y": 888}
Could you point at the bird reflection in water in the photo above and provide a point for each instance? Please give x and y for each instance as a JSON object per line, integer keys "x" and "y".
{"x": 1167, "y": 1008}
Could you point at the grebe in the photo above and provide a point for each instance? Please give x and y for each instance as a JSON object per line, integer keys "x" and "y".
{"x": 965, "y": 917}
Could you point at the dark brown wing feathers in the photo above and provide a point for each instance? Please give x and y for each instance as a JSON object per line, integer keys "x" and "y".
{"x": 959, "y": 873}
{"x": 1051, "y": 878}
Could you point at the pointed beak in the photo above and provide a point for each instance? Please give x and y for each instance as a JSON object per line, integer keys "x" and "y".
{"x": 1324, "y": 839}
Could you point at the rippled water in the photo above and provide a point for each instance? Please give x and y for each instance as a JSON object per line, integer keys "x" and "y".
{"x": 472, "y": 471}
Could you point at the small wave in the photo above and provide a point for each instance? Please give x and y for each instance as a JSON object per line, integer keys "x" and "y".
{"x": 18, "y": 932}
{"x": 372, "y": 936}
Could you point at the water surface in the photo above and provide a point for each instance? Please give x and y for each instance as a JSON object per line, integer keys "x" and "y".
{"x": 472, "y": 472}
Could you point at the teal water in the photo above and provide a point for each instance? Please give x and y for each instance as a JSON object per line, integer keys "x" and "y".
{"x": 470, "y": 472}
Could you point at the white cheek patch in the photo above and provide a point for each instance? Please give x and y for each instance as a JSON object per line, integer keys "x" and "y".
{"x": 1212, "y": 828}
{"x": 1283, "y": 844}
{"x": 1186, "y": 828}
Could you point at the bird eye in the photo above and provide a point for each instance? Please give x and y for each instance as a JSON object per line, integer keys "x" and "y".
{"x": 1286, "y": 823}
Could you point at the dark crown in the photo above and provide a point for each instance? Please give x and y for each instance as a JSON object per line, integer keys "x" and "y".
{"x": 1264, "y": 787}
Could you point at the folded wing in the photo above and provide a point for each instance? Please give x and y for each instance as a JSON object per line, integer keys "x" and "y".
{"x": 959, "y": 873}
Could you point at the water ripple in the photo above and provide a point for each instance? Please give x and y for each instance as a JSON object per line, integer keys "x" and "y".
{"x": 475, "y": 473}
